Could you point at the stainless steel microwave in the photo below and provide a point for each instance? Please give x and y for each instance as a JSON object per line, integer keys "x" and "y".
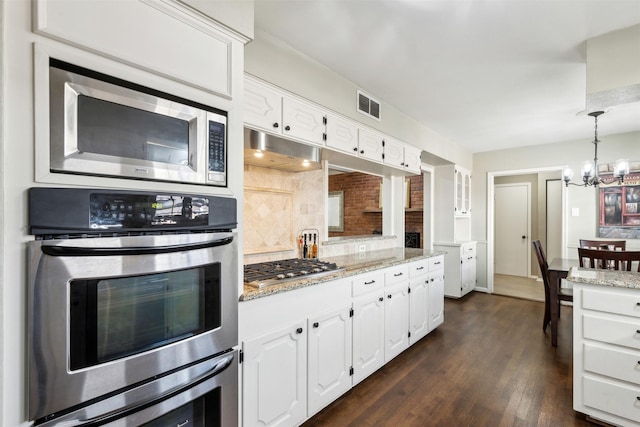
{"x": 105, "y": 126}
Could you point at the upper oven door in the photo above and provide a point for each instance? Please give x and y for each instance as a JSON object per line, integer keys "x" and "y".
{"x": 109, "y": 127}
{"x": 107, "y": 313}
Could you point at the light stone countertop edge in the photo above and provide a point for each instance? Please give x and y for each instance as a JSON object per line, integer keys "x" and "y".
{"x": 611, "y": 278}
{"x": 353, "y": 265}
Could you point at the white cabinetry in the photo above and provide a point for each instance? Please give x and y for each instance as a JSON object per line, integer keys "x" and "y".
{"x": 462, "y": 178}
{"x": 396, "y": 311}
{"x": 368, "y": 325}
{"x": 370, "y": 145}
{"x": 606, "y": 353}
{"x": 401, "y": 155}
{"x": 436, "y": 292}
{"x": 275, "y": 378}
{"x": 271, "y": 110}
{"x": 342, "y": 134}
{"x": 329, "y": 357}
{"x": 452, "y": 196}
{"x": 418, "y": 301}
{"x": 460, "y": 267}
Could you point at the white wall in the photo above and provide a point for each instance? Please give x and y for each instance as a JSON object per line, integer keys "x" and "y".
{"x": 568, "y": 153}
{"x": 279, "y": 64}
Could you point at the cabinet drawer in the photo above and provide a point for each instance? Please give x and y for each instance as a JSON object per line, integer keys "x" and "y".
{"x": 468, "y": 249}
{"x": 436, "y": 264}
{"x": 612, "y": 331}
{"x": 366, "y": 283}
{"x": 419, "y": 268}
{"x": 611, "y": 397}
{"x": 611, "y": 302}
{"x": 616, "y": 363}
{"x": 396, "y": 274}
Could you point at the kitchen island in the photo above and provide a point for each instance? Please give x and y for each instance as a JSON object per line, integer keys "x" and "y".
{"x": 306, "y": 342}
{"x": 606, "y": 345}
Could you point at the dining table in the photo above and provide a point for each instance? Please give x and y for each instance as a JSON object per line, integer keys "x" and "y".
{"x": 558, "y": 270}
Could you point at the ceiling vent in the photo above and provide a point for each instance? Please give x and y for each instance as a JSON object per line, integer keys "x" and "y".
{"x": 368, "y": 106}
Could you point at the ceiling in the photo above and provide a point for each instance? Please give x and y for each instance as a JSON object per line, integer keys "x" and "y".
{"x": 485, "y": 74}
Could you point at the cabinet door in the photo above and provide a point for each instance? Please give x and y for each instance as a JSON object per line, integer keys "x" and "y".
{"x": 459, "y": 191}
{"x": 368, "y": 335}
{"x": 393, "y": 153}
{"x": 274, "y": 378}
{"x": 370, "y": 145}
{"x": 303, "y": 121}
{"x": 467, "y": 194}
{"x": 329, "y": 358}
{"x": 418, "y": 309}
{"x": 396, "y": 321}
{"x": 342, "y": 135}
{"x": 467, "y": 272}
{"x": 262, "y": 106}
{"x": 412, "y": 161}
{"x": 436, "y": 300}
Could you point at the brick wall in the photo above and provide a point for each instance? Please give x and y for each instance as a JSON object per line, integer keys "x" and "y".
{"x": 361, "y": 192}
{"x": 362, "y": 195}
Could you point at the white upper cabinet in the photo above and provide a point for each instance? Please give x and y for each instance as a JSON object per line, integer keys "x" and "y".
{"x": 302, "y": 121}
{"x": 463, "y": 191}
{"x": 402, "y": 155}
{"x": 370, "y": 145}
{"x": 342, "y": 134}
{"x": 262, "y": 106}
{"x": 271, "y": 110}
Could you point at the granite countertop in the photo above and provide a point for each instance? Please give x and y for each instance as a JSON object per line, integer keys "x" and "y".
{"x": 353, "y": 264}
{"x": 618, "y": 279}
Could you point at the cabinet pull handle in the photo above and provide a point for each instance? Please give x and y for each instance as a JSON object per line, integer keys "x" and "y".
{"x": 397, "y": 274}
{"x": 361, "y": 151}
{"x": 637, "y": 331}
{"x": 370, "y": 283}
{"x": 355, "y": 149}
{"x": 420, "y": 268}
{"x": 382, "y": 299}
{"x": 389, "y": 296}
{"x": 432, "y": 280}
{"x": 638, "y": 304}
{"x": 276, "y": 125}
{"x": 287, "y": 127}
{"x": 436, "y": 263}
{"x": 316, "y": 324}
{"x": 299, "y": 330}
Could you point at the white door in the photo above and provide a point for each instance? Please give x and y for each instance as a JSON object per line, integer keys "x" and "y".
{"x": 512, "y": 234}
{"x": 329, "y": 358}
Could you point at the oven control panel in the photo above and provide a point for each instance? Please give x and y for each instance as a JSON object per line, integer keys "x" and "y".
{"x": 77, "y": 211}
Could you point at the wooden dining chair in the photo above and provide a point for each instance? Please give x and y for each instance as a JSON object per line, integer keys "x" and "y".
{"x": 614, "y": 260}
{"x": 564, "y": 294}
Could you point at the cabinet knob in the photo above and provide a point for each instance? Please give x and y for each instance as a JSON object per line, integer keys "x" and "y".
{"x": 276, "y": 125}
{"x": 361, "y": 151}
{"x": 299, "y": 330}
{"x": 389, "y": 296}
{"x": 382, "y": 299}
{"x": 287, "y": 127}
{"x": 316, "y": 324}
{"x": 355, "y": 149}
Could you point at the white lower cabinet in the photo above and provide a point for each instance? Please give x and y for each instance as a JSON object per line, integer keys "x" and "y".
{"x": 291, "y": 373}
{"x": 368, "y": 335}
{"x": 275, "y": 378}
{"x": 606, "y": 353}
{"x": 460, "y": 267}
{"x": 328, "y": 358}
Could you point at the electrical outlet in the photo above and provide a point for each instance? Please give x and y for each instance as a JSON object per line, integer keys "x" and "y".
{"x": 362, "y": 248}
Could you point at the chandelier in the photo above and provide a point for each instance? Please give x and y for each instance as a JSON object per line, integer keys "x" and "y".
{"x": 589, "y": 170}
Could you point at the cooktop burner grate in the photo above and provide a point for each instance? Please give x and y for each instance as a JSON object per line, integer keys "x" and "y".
{"x": 268, "y": 273}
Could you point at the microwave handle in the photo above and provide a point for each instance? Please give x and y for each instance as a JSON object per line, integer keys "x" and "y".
{"x": 87, "y": 251}
{"x": 123, "y": 411}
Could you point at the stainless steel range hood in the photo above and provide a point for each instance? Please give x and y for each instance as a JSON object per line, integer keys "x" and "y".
{"x": 269, "y": 151}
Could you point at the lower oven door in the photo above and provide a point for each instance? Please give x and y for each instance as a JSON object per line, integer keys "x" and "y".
{"x": 107, "y": 314}
{"x": 202, "y": 395}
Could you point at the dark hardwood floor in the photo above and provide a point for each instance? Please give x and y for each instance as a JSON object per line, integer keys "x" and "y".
{"x": 489, "y": 364}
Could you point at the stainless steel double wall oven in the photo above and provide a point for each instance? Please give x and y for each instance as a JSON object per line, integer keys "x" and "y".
{"x": 133, "y": 309}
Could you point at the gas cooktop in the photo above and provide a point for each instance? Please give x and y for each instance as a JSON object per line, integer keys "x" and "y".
{"x": 275, "y": 272}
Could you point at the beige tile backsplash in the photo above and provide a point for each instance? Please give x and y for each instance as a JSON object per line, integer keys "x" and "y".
{"x": 278, "y": 205}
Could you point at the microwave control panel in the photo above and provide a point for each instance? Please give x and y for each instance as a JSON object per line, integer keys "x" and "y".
{"x": 217, "y": 154}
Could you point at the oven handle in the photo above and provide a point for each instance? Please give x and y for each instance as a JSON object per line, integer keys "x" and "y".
{"x": 138, "y": 406}
{"x": 82, "y": 251}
